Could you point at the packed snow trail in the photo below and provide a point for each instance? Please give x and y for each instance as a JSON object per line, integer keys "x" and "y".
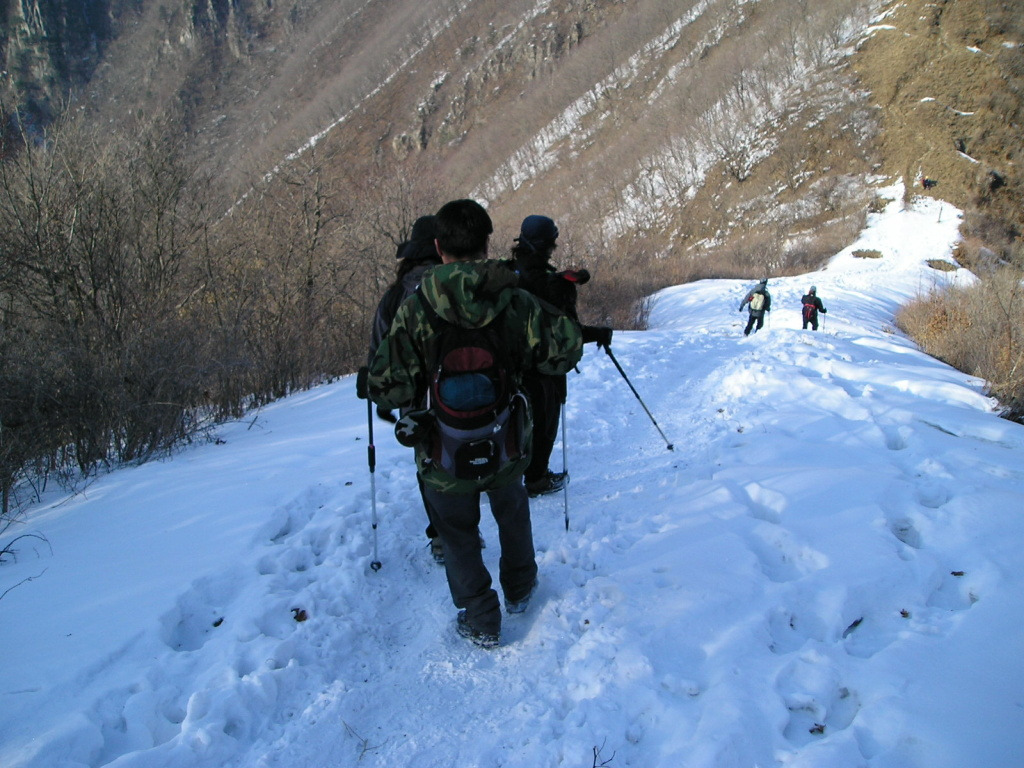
{"x": 826, "y": 571}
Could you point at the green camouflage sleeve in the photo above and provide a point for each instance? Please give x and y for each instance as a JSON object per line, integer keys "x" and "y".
{"x": 397, "y": 378}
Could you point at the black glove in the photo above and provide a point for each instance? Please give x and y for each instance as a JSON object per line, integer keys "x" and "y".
{"x": 603, "y": 336}
{"x": 414, "y": 428}
{"x": 386, "y": 414}
{"x": 362, "y": 389}
{"x": 578, "y": 276}
{"x": 824, "y": 311}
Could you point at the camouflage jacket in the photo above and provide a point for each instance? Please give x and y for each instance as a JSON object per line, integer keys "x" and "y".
{"x": 471, "y": 294}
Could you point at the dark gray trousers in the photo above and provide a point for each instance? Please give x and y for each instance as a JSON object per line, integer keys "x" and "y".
{"x": 756, "y": 317}
{"x": 457, "y": 520}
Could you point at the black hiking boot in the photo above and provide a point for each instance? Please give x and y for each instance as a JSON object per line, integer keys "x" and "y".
{"x": 552, "y": 482}
{"x": 436, "y": 550}
{"x": 486, "y": 640}
{"x": 520, "y": 605}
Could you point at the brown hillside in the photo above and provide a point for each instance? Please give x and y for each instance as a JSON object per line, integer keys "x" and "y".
{"x": 949, "y": 78}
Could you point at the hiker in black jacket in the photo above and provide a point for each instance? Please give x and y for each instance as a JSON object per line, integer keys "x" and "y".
{"x": 811, "y": 307}
{"x": 531, "y": 260}
{"x": 758, "y": 301}
{"x": 415, "y": 256}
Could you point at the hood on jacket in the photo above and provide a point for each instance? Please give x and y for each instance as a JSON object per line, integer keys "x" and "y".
{"x": 412, "y": 278}
{"x": 469, "y": 293}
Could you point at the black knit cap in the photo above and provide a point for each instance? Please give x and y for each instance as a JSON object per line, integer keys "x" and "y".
{"x": 420, "y": 244}
{"x": 537, "y": 232}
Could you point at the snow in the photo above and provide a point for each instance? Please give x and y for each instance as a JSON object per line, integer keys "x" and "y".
{"x": 824, "y": 572}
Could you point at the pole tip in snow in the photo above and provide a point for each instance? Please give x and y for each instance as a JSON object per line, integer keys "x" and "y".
{"x": 375, "y": 566}
{"x": 671, "y": 447}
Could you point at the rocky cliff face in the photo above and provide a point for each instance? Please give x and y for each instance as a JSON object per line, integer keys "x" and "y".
{"x": 52, "y": 51}
{"x": 48, "y": 49}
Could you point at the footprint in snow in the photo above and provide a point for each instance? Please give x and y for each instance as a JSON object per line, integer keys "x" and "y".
{"x": 780, "y": 557}
{"x": 197, "y": 615}
{"x": 819, "y": 704}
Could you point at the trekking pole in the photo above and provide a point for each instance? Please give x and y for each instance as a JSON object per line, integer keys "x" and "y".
{"x": 371, "y": 455}
{"x": 608, "y": 349}
{"x": 565, "y": 471}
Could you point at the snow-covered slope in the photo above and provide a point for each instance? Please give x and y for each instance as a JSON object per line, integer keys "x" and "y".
{"x": 825, "y": 571}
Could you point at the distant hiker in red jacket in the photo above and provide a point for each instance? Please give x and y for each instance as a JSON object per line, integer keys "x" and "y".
{"x": 812, "y": 306}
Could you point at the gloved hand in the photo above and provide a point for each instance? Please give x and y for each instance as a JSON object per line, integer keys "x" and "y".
{"x": 414, "y": 428}
{"x": 578, "y": 276}
{"x": 362, "y": 389}
{"x": 603, "y": 336}
{"x": 386, "y": 414}
{"x": 824, "y": 311}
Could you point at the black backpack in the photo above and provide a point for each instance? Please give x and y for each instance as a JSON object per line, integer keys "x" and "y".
{"x": 810, "y": 309}
{"x": 479, "y": 416}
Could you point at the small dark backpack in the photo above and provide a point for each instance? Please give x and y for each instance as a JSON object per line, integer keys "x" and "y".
{"x": 479, "y": 416}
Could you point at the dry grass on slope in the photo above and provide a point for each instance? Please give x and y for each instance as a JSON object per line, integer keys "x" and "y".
{"x": 975, "y": 330}
{"x": 949, "y": 78}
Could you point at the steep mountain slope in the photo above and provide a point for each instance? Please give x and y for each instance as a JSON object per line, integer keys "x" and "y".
{"x": 591, "y": 110}
{"x": 949, "y": 78}
{"x": 686, "y": 129}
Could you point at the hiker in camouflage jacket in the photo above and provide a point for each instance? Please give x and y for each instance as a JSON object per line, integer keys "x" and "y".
{"x": 471, "y": 291}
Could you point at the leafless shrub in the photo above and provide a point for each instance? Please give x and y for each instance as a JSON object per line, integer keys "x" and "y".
{"x": 131, "y": 317}
{"x": 975, "y": 330}
{"x": 616, "y": 296}
{"x": 96, "y": 350}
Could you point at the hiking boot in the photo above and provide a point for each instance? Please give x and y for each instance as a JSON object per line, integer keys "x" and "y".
{"x": 483, "y": 639}
{"x": 518, "y": 606}
{"x": 552, "y": 482}
{"x": 436, "y": 550}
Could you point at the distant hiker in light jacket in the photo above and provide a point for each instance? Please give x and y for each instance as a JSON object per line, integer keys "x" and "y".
{"x": 469, "y": 291}
{"x": 415, "y": 256}
{"x": 758, "y": 301}
{"x": 811, "y": 307}
{"x": 531, "y": 260}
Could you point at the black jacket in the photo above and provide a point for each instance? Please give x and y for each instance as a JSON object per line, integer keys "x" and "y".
{"x": 812, "y": 306}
